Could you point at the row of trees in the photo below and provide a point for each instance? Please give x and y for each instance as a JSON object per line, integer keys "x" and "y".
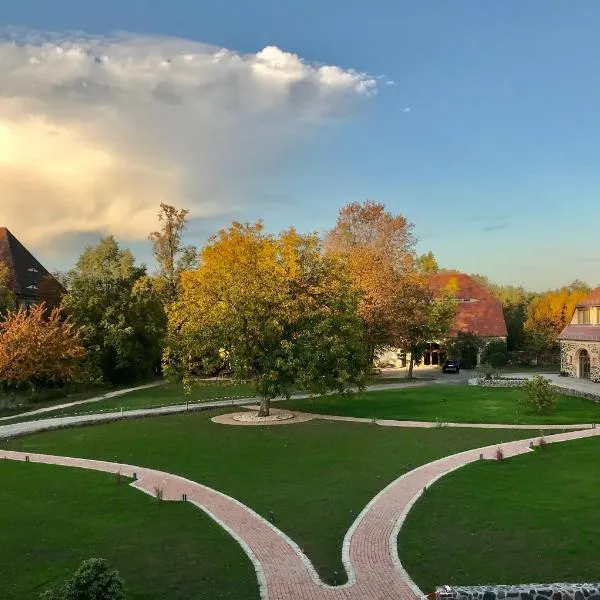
{"x": 296, "y": 310}
{"x": 279, "y": 310}
{"x": 534, "y": 320}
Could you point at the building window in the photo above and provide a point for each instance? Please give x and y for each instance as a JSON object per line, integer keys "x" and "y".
{"x": 583, "y": 316}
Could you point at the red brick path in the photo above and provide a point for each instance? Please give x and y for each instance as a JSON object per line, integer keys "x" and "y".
{"x": 369, "y": 551}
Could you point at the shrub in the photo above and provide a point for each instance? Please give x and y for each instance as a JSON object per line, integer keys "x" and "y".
{"x": 498, "y": 359}
{"x": 93, "y": 580}
{"x": 495, "y": 353}
{"x": 539, "y": 395}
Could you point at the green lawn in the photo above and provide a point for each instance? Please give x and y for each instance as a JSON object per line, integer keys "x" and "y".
{"x": 163, "y": 395}
{"x": 23, "y": 402}
{"x": 529, "y": 518}
{"x": 52, "y": 518}
{"x": 449, "y": 403}
{"x": 314, "y": 476}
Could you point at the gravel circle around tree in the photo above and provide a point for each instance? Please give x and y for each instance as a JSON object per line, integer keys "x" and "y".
{"x": 250, "y": 417}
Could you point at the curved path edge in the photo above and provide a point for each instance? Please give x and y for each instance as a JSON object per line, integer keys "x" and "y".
{"x": 370, "y": 547}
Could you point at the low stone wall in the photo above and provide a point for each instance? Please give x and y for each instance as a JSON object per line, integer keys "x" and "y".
{"x": 594, "y": 397}
{"x": 501, "y": 382}
{"x": 532, "y": 591}
{"x": 519, "y": 381}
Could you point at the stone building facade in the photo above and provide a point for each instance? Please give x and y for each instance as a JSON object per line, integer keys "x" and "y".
{"x": 580, "y": 340}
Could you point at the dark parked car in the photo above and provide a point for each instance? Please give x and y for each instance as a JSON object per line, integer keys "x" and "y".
{"x": 451, "y": 366}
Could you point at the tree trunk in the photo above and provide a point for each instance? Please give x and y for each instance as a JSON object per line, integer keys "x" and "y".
{"x": 411, "y": 363}
{"x": 265, "y": 405}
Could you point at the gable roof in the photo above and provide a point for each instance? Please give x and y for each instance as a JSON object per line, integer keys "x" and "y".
{"x": 592, "y": 299}
{"x": 25, "y": 271}
{"x": 478, "y": 311}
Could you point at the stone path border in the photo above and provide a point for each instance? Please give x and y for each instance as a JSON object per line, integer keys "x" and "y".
{"x": 107, "y": 396}
{"x": 26, "y": 427}
{"x": 369, "y": 551}
{"x": 302, "y": 417}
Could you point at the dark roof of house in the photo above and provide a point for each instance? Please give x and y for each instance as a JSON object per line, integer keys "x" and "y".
{"x": 478, "y": 311}
{"x": 592, "y": 299}
{"x": 25, "y": 271}
{"x": 581, "y": 333}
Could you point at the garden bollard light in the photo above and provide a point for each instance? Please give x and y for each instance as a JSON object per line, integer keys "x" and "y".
{"x": 335, "y": 577}
{"x": 481, "y": 457}
{"x": 184, "y": 497}
{"x": 135, "y": 476}
{"x": 27, "y": 458}
{"x": 271, "y": 516}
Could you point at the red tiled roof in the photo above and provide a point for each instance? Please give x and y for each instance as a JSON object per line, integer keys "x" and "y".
{"x": 481, "y": 315}
{"x": 581, "y": 333}
{"x": 593, "y": 299}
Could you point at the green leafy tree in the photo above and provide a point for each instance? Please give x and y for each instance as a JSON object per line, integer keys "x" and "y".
{"x": 428, "y": 318}
{"x": 276, "y": 308}
{"x": 539, "y": 395}
{"x": 119, "y": 312}
{"x": 93, "y": 580}
{"x": 7, "y": 298}
{"x": 515, "y": 302}
{"x": 427, "y": 263}
{"x": 466, "y": 348}
{"x": 495, "y": 353}
{"x": 170, "y": 254}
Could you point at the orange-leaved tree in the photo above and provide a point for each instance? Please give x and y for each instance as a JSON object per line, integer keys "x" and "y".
{"x": 38, "y": 347}
{"x": 377, "y": 248}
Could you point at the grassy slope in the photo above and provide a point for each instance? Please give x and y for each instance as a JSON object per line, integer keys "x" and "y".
{"x": 28, "y": 403}
{"x": 315, "y": 476}
{"x": 449, "y": 403}
{"x": 164, "y": 395}
{"x": 52, "y": 518}
{"x": 530, "y": 518}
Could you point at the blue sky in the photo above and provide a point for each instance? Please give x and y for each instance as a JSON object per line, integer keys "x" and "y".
{"x": 496, "y": 162}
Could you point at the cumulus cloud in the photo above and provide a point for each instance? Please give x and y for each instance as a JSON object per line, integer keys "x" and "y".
{"x": 96, "y": 132}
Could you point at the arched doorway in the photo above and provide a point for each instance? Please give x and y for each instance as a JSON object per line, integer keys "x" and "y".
{"x": 584, "y": 364}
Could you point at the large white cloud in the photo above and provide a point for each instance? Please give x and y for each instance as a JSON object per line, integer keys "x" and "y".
{"x": 96, "y": 132}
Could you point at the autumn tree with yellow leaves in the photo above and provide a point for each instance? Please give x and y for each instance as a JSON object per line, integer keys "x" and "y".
{"x": 279, "y": 311}
{"x": 37, "y": 347}
{"x": 549, "y": 313}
